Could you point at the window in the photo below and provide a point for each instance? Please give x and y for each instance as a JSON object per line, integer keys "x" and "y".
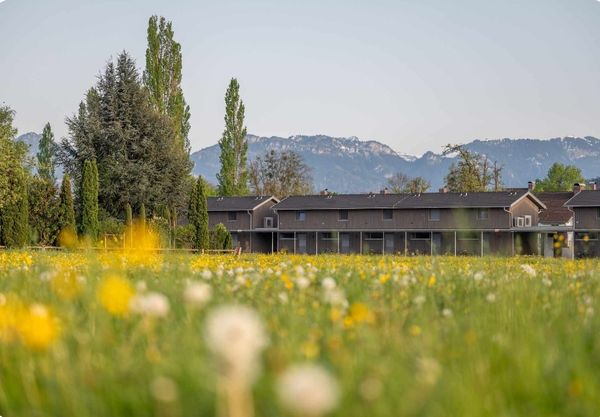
{"x": 232, "y": 216}
{"x": 300, "y": 216}
{"x": 420, "y": 236}
{"x": 483, "y": 214}
{"x": 343, "y": 214}
{"x": 286, "y": 236}
{"x": 373, "y": 236}
{"x": 388, "y": 214}
{"x": 434, "y": 215}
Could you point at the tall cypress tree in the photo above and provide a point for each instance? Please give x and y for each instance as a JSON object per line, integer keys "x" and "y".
{"x": 143, "y": 216}
{"x": 233, "y": 176}
{"x": 198, "y": 215}
{"x": 66, "y": 208}
{"x": 46, "y": 156}
{"x": 89, "y": 200}
{"x": 14, "y": 217}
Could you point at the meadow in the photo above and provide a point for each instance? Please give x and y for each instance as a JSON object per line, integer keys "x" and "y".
{"x": 139, "y": 333}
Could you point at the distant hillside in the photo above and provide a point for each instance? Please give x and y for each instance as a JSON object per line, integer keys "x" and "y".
{"x": 352, "y": 165}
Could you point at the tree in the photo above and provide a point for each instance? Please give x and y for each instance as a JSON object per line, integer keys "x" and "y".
{"x": 400, "y": 183}
{"x": 128, "y": 215}
{"x": 12, "y": 160}
{"x": 44, "y": 211}
{"x": 14, "y": 216}
{"x": 162, "y": 78}
{"x": 46, "y": 156}
{"x": 221, "y": 238}
{"x": 132, "y": 143}
{"x": 560, "y": 178}
{"x": 66, "y": 208}
{"x": 89, "y": 200}
{"x": 418, "y": 185}
{"x": 279, "y": 174}
{"x": 233, "y": 176}
{"x": 471, "y": 173}
{"x": 198, "y": 214}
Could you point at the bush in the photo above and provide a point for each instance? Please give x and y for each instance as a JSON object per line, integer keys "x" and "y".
{"x": 184, "y": 236}
{"x": 220, "y": 238}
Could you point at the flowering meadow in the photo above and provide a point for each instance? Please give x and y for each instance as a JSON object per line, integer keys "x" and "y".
{"x": 128, "y": 334}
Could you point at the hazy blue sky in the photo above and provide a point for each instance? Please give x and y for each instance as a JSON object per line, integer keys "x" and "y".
{"x": 414, "y": 74}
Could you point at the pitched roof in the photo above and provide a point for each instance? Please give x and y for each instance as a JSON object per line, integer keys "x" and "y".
{"x": 585, "y": 198}
{"x": 339, "y": 201}
{"x": 406, "y": 201}
{"x": 556, "y": 213}
{"x": 236, "y": 203}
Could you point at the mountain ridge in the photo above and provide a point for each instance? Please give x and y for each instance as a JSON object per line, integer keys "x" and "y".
{"x": 352, "y": 165}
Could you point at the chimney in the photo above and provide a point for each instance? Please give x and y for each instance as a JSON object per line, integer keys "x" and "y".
{"x": 384, "y": 191}
{"x": 324, "y": 192}
{"x": 593, "y": 186}
{"x": 578, "y": 187}
{"x": 444, "y": 189}
{"x": 531, "y": 185}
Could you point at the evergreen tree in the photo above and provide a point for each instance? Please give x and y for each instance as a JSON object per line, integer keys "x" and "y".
{"x": 221, "y": 237}
{"x": 46, "y": 156}
{"x": 233, "y": 176}
{"x": 14, "y": 217}
{"x": 198, "y": 215}
{"x": 143, "y": 216}
{"x": 128, "y": 215}
{"x": 66, "y": 208}
{"x": 131, "y": 141}
{"x": 44, "y": 211}
{"x": 89, "y": 198}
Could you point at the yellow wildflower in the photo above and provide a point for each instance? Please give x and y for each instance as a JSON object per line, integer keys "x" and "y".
{"x": 115, "y": 294}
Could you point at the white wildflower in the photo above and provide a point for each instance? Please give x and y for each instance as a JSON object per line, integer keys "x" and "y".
{"x": 529, "y": 270}
{"x": 428, "y": 371}
{"x": 283, "y": 297}
{"x": 419, "y": 300}
{"x": 206, "y": 274}
{"x": 152, "y": 304}
{"x": 302, "y": 283}
{"x": 490, "y": 298}
{"x": 328, "y": 283}
{"x": 478, "y": 276}
{"x": 308, "y": 390}
{"x": 447, "y": 312}
{"x": 197, "y": 294}
{"x": 237, "y": 336}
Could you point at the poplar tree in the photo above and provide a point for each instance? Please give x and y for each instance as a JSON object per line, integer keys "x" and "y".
{"x": 46, "y": 156}
{"x": 198, "y": 215}
{"x": 162, "y": 78}
{"x": 89, "y": 200}
{"x": 12, "y": 159}
{"x": 14, "y": 217}
{"x": 66, "y": 208}
{"x": 233, "y": 176}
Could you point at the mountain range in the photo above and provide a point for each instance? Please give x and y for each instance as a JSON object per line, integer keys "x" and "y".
{"x": 350, "y": 165}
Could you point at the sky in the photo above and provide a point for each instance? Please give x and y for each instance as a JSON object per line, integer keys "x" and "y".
{"x": 413, "y": 74}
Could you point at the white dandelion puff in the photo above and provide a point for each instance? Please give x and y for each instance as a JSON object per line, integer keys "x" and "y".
{"x": 308, "y": 390}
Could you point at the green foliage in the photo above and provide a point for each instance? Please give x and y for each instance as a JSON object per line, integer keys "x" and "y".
{"x": 221, "y": 238}
{"x": 110, "y": 226}
{"x": 280, "y": 174}
{"x": 12, "y": 160}
{"x": 128, "y": 215}
{"x": 143, "y": 216}
{"x": 233, "y": 175}
{"x": 198, "y": 215}
{"x": 89, "y": 200}
{"x": 560, "y": 178}
{"x": 132, "y": 142}
{"x": 14, "y": 216}
{"x": 44, "y": 211}
{"x": 472, "y": 172}
{"x": 184, "y": 236}
{"x": 66, "y": 208}
{"x": 46, "y": 156}
{"x": 400, "y": 183}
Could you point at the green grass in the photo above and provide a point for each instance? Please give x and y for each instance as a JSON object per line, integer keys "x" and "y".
{"x": 481, "y": 338}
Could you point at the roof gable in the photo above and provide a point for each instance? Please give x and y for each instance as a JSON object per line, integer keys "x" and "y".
{"x": 585, "y": 198}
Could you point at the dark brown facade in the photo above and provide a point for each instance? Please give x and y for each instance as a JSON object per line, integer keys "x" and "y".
{"x": 507, "y": 223}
